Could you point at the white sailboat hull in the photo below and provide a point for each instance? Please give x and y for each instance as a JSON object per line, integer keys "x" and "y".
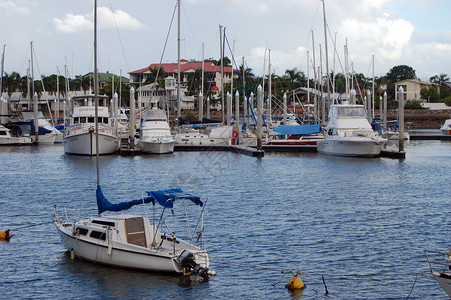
{"x": 45, "y": 139}
{"x": 85, "y": 144}
{"x": 156, "y": 147}
{"x": 356, "y": 148}
{"x": 142, "y": 259}
{"x": 205, "y": 141}
{"x": 17, "y": 141}
{"x": 116, "y": 253}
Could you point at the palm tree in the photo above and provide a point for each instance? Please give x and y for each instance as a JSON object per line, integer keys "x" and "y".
{"x": 440, "y": 79}
{"x": 293, "y": 75}
{"x": 11, "y": 82}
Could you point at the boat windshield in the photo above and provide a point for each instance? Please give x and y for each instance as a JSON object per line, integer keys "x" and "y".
{"x": 351, "y": 112}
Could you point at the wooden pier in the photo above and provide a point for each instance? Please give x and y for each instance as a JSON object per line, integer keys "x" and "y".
{"x": 250, "y": 151}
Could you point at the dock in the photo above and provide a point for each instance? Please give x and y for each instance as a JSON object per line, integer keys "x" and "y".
{"x": 250, "y": 151}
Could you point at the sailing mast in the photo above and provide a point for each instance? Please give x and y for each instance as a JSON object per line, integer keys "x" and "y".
{"x": 96, "y": 92}
{"x": 1, "y": 74}
{"x": 221, "y": 49}
{"x": 178, "y": 63}
{"x": 327, "y": 60}
{"x": 35, "y": 100}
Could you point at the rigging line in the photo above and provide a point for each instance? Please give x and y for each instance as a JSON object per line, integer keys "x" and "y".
{"x": 165, "y": 43}
{"x": 42, "y": 83}
{"x": 313, "y": 22}
{"x": 195, "y": 38}
{"x": 239, "y": 75}
{"x": 119, "y": 36}
{"x": 335, "y": 50}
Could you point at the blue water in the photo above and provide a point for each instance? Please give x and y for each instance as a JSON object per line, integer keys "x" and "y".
{"x": 361, "y": 223}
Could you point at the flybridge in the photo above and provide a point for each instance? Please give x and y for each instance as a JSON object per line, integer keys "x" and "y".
{"x": 84, "y": 111}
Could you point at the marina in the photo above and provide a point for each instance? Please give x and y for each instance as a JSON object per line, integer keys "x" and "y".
{"x": 264, "y": 215}
{"x": 206, "y": 179}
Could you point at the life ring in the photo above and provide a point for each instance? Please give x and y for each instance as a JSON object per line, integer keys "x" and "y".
{"x": 235, "y": 133}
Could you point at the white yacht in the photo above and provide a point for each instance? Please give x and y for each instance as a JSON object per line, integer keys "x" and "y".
{"x": 156, "y": 135}
{"x": 79, "y": 135}
{"x": 349, "y": 133}
{"x": 7, "y": 139}
{"x": 446, "y": 127}
{"x": 206, "y": 136}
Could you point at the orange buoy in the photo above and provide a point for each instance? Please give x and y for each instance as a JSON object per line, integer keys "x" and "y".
{"x": 4, "y": 235}
{"x": 295, "y": 283}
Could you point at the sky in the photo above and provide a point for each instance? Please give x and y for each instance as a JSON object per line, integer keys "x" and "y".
{"x": 132, "y": 34}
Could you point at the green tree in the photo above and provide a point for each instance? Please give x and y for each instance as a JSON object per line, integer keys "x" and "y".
{"x": 430, "y": 94}
{"x": 401, "y": 72}
{"x": 447, "y": 101}
{"x": 442, "y": 80}
{"x": 294, "y": 76}
{"x": 11, "y": 82}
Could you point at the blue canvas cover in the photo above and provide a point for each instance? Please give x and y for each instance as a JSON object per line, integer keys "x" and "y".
{"x": 298, "y": 129}
{"x": 104, "y": 205}
{"x": 165, "y": 198}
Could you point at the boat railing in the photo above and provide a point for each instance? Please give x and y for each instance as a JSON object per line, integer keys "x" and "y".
{"x": 439, "y": 260}
{"x": 62, "y": 215}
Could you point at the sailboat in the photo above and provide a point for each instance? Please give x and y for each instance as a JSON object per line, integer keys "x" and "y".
{"x": 132, "y": 241}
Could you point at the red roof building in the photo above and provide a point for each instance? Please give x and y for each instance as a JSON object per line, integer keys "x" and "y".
{"x": 212, "y": 72}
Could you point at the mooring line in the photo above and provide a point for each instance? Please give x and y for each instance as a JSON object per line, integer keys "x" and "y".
{"x": 33, "y": 225}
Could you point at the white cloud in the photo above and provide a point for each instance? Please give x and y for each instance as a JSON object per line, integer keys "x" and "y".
{"x": 397, "y": 35}
{"x": 72, "y": 23}
{"x": 106, "y": 18}
{"x": 10, "y": 7}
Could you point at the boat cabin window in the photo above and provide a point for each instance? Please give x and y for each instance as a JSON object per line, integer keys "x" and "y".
{"x": 98, "y": 235}
{"x": 90, "y": 119}
{"x": 82, "y": 119}
{"x": 350, "y": 112}
{"x": 2, "y": 132}
{"x": 102, "y": 222}
{"x": 105, "y": 120}
{"x": 81, "y": 231}
{"x": 76, "y": 120}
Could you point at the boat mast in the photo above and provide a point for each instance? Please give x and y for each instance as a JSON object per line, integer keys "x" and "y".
{"x": 327, "y": 60}
{"x": 221, "y": 49}
{"x": 203, "y": 69}
{"x": 1, "y": 74}
{"x": 35, "y": 100}
{"x": 373, "y": 91}
{"x": 269, "y": 87}
{"x": 96, "y": 92}
{"x": 178, "y": 63}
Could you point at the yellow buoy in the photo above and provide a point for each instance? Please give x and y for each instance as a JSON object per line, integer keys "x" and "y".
{"x": 4, "y": 234}
{"x": 295, "y": 283}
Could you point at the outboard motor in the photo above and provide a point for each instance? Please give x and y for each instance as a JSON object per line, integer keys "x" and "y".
{"x": 186, "y": 260}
